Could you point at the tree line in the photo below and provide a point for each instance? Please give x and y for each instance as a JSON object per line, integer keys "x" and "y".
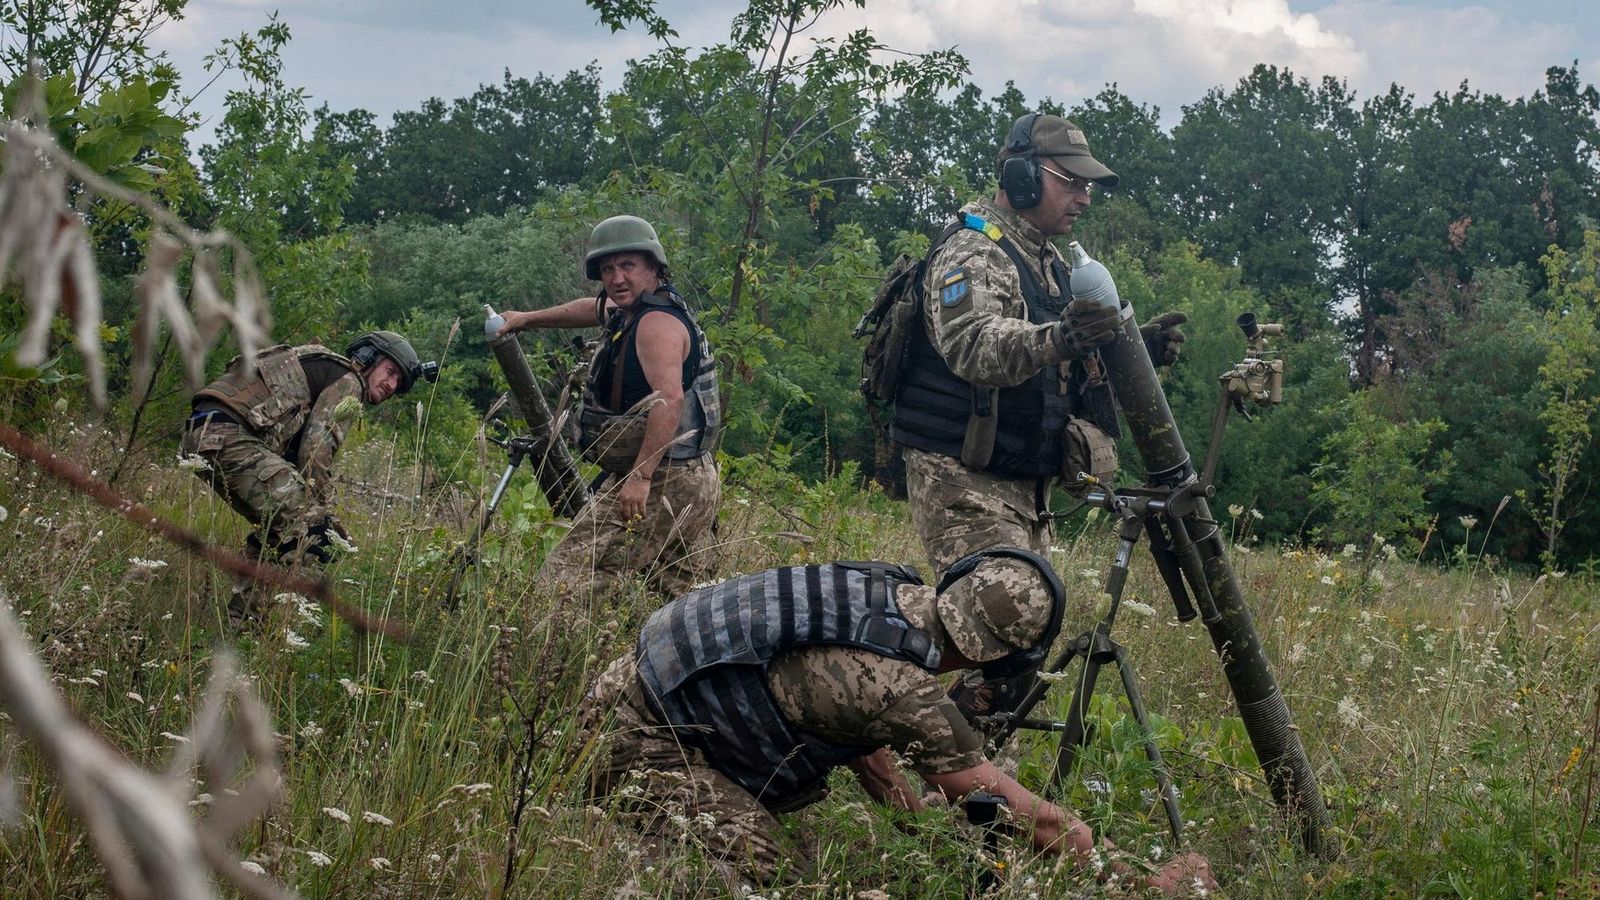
{"x": 1434, "y": 258}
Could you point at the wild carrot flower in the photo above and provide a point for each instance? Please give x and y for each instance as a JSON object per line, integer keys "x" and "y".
{"x": 376, "y": 818}
{"x": 335, "y": 812}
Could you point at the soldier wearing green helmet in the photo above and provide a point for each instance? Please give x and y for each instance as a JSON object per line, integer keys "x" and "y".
{"x": 651, "y": 418}
{"x": 265, "y": 441}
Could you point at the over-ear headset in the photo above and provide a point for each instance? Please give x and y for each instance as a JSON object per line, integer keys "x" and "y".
{"x": 1020, "y": 177}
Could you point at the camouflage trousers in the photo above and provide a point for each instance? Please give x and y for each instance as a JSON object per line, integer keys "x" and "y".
{"x": 670, "y": 547}
{"x": 268, "y": 491}
{"x": 668, "y": 791}
{"x": 957, "y": 511}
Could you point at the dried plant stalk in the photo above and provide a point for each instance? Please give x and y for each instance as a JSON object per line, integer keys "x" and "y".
{"x": 45, "y": 249}
{"x": 140, "y": 822}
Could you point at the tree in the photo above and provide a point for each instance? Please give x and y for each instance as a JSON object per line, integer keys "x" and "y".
{"x": 1571, "y": 338}
{"x": 1256, "y": 177}
{"x": 1374, "y": 478}
{"x": 102, "y": 43}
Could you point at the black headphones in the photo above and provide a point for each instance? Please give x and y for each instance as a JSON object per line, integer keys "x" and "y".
{"x": 1020, "y": 177}
{"x": 1033, "y": 657}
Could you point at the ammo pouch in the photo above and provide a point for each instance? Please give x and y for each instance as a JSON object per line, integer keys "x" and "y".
{"x": 1086, "y": 449}
{"x": 611, "y": 440}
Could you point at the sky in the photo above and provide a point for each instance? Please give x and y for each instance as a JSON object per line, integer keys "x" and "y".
{"x": 389, "y": 55}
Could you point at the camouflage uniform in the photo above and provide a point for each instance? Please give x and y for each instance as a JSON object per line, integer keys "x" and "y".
{"x": 986, "y": 339}
{"x": 671, "y": 547}
{"x": 268, "y": 446}
{"x": 842, "y": 694}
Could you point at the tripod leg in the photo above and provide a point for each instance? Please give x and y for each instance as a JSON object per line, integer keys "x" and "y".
{"x": 1169, "y": 793}
{"x": 467, "y": 553}
{"x": 1075, "y": 733}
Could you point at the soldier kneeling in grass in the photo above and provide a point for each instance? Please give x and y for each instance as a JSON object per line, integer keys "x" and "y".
{"x": 741, "y": 698}
{"x": 267, "y": 441}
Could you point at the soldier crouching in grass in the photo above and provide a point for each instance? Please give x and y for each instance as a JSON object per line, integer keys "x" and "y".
{"x": 651, "y": 420}
{"x": 743, "y": 696}
{"x": 268, "y": 440}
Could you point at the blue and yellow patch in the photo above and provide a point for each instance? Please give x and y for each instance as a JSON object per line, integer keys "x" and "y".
{"x": 953, "y": 287}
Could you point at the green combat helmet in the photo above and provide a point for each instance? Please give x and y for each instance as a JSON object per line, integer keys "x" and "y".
{"x": 366, "y": 349}
{"x": 621, "y": 234}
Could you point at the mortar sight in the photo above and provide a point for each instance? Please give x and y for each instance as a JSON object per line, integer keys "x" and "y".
{"x": 1247, "y": 323}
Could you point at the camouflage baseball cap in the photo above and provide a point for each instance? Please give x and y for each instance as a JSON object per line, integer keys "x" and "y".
{"x": 1063, "y": 142}
{"x": 997, "y": 610}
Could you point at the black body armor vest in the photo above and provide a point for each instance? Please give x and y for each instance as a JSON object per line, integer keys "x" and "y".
{"x": 934, "y": 405}
{"x": 703, "y": 663}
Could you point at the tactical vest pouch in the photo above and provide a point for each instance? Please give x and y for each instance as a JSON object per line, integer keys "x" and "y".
{"x": 610, "y": 440}
{"x": 285, "y": 381}
{"x": 888, "y": 326}
{"x": 1086, "y": 449}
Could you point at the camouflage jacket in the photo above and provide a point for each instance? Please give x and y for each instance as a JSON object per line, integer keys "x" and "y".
{"x": 981, "y": 328}
{"x": 277, "y": 405}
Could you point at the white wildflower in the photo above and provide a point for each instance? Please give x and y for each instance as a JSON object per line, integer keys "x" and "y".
{"x": 335, "y": 812}
{"x": 1349, "y": 550}
{"x": 1256, "y": 514}
{"x": 1349, "y": 713}
{"x": 151, "y": 565}
{"x": 175, "y": 738}
{"x": 1326, "y": 579}
{"x": 376, "y": 818}
{"x": 1390, "y": 552}
{"x": 134, "y": 696}
{"x": 311, "y": 731}
{"x": 422, "y": 676}
{"x": 84, "y": 680}
{"x": 379, "y": 863}
{"x": 319, "y": 859}
{"x": 350, "y": 687}
{"x": 1297, "y": 653}
{"x": 202, "y": 799}
{"x": 1139, "y": 609}
{"x": 1467, "y": 522}
{"x": 1088, "y": 573}
{"x": 295, "y": 641}
{"x": 4, "y": 514}
{"x": 1235, "y": 510}
{"x": 483, "y": 787}
{"x": 252, "y": 868}
{"x": 343, "y": 543}
{"x": 706, "y": 820}
{"x": 193, "y": 463}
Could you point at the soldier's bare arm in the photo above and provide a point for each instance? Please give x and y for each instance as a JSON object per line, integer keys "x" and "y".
{"x": 324, "y": 432}
{"x": 977, "y": 319}
{"x": 663, "y": 344}
{"x": 579, "y": 313}
{"x": 883, "y": 781}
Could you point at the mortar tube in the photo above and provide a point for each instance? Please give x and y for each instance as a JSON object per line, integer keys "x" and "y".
{"x": 1233, "y": 633}
{"x": 556, "y": 472}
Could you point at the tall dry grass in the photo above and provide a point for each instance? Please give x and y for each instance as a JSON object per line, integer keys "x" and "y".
{"x": 1451, "y": 714}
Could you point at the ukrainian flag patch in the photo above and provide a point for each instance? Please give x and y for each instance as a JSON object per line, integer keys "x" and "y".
{"x": 953, "y": 287}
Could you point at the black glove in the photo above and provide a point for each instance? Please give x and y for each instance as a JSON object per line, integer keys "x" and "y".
{"x": 1086, "y": 326}
{"x": 1162, "y": 337}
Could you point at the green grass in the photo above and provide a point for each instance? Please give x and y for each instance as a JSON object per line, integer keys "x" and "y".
{"x": 1450, "y": 715}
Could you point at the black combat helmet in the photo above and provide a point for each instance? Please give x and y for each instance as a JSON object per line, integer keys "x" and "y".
{"x": 366, "y": 349}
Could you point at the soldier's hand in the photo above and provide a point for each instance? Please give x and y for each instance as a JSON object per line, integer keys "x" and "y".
{"x": 1086, "y": 326}
{"x": 515, "y": 322}
{"x": 631, "y": 499}
{"x": 1162, "y": 337}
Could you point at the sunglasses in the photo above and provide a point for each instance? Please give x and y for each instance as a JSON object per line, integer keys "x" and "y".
{"x": 1078, "y": 185}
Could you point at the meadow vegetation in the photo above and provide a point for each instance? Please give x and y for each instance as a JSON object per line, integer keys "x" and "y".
{"x": 1450, "y": 710}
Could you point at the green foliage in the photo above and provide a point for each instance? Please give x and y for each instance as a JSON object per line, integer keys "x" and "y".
{"x": 1571, "y": 340}
{"x": 1374, "y": 478}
